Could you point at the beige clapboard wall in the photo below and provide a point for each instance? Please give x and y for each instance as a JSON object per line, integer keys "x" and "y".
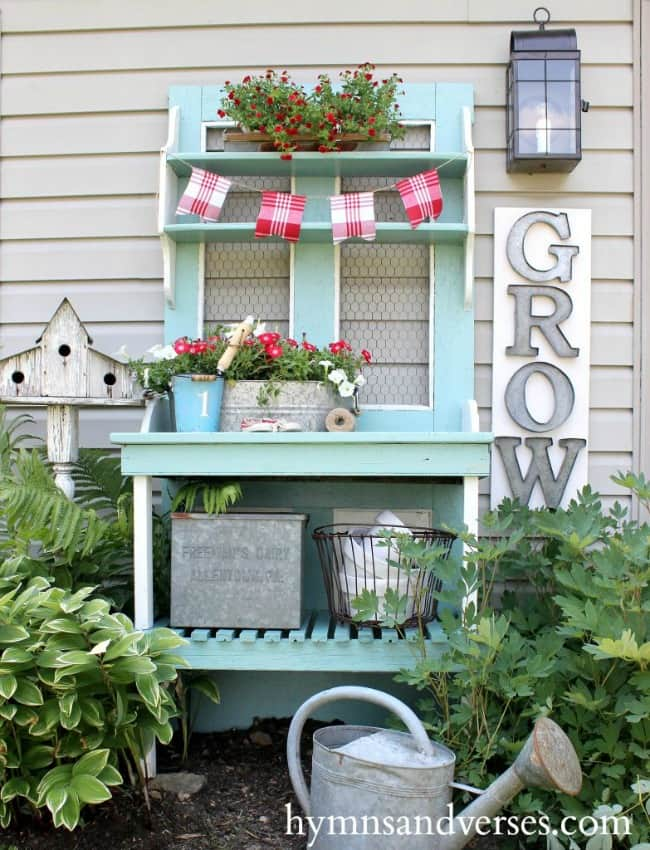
{"x": 83, "y": 107}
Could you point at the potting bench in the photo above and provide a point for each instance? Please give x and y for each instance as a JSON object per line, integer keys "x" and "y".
{"x": 410, "y": 298}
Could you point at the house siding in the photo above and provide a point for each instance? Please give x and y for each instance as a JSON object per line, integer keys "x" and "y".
{"x": 83, "y": 96}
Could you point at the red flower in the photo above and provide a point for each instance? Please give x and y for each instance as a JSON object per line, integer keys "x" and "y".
{"x": 339, "y": 346}
{"x": 269, "y": 338}
{"x": 221, "y": 113}
{"x": 291, "y": 342}
{"x": 367, "y": 356}
{"x": 331, "y": 117}
{"x": 372, "y": 131}
{"x": 246, "y": 79}
{"x": 367, "y": 76}
{"x": 274, "y": 351}
{"x": 269, "y": 100}
{"x": 250, "y": 340}
{"x": 308, "y": 346}
{"x": 182, "y": 346}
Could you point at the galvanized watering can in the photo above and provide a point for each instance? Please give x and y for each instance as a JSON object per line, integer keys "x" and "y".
{"x": 381, "y": 790}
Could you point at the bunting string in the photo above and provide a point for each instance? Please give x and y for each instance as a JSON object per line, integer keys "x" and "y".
{"x": 281, "y": 213}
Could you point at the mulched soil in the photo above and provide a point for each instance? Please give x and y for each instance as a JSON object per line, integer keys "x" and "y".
{"x": 241, "y": 807}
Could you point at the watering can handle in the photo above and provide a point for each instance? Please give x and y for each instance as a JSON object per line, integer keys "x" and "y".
{"x": 408, "y": 717}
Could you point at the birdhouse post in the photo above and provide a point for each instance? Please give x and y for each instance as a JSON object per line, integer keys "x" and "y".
{"x": 63, "y": 373}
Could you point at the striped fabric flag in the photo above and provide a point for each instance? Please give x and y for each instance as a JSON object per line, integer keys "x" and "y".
{"x": 280, "y": 215}
{"x": 421, "y": 196}
{"x": 204, "y": 195}
{"x": 353, "y": 214}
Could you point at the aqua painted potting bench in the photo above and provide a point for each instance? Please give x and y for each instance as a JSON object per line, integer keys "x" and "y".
{"x": 407, "y": 297}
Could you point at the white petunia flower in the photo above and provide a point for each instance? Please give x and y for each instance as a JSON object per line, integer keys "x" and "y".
{"x": 346, "y": 389}
{"x": 336, "y": 376}
{"x": 121, "y": 352}
{"x": 162, "y": 352}
{"x": 359, "y": 381}
{"x": 325, "y": 363}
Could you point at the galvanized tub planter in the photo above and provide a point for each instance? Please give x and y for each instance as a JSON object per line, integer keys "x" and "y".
{"x": 304, "y": 402}
{"x": 239, "y": 570}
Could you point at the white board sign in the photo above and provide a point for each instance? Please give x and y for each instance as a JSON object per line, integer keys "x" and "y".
{"x": 540, "y": 354}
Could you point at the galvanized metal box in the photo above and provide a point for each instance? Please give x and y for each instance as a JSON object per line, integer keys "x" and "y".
{"x": 239, "y": 570}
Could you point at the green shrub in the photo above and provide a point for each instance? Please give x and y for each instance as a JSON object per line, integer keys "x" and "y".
{"x": 570, "y": 638}
{"x": 83, "y": 697}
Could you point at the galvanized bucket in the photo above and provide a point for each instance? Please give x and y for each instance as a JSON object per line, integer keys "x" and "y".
{"x": 305, "y": 402}
{"x": 359, "y": 803}
{"x": 197, "y": 402}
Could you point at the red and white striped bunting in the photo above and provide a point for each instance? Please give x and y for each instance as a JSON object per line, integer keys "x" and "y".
{"x": 353, "y": 214}
{"x": 421, "y": 196}
{"x": 204, "y": 195}
{"x": 280, "y": 215}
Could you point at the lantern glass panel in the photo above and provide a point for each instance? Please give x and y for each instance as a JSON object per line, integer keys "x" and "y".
{"x": 529, "y": 69}
{"x": 561, "y": 106}
{"x": 561, "y": 69}
{"x": 563, "y": 141}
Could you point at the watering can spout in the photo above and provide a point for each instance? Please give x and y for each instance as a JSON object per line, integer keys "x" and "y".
{"x": 547, "y": 760}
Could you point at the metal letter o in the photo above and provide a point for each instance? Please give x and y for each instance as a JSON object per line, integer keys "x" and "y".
{"x": 563, "y": 392}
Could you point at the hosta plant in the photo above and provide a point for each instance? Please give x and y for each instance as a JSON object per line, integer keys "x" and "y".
{"x": 83, "y": 698}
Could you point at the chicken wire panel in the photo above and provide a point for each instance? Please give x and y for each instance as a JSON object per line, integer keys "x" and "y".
{"x": 384, "y": 307}
{"x": 384, "y": 261}
{"x": 243, "y": 279}
{"x": 395, "y": 384}
{"x": 390, "y": 341}
{"x": 245, "y": 260}
{"x": 416, "y": 138}
{"x": 374, "y": 298}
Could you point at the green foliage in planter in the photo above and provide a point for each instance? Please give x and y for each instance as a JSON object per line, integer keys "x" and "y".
{"x": 569, "y": 638}
{"x": 264, "y": 356}
{"x": 83, "y": 697}
{"x": 276, "y": 106}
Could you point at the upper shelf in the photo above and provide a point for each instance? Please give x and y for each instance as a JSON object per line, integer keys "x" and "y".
{"x": 390, "y": 231}
{"x": 398, "y": 163}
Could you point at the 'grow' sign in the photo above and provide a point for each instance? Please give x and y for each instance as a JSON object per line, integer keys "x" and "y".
{"x": 540, "y": 377}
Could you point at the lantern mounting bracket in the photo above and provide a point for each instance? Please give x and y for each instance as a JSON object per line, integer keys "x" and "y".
{"x": 542, "y": 23}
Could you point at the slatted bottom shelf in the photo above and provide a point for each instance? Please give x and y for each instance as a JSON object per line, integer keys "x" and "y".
{"x": 321, "y": 643}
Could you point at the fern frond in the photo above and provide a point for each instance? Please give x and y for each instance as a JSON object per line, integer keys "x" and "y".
{"x": 216, "y": 498}
{"x": 99, "y": 482}
{"x": 10, "y": 439}
{"x": 34, "y": 513}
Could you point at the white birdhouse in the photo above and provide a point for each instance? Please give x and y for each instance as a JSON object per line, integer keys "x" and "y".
{"x": 64, "y": 373}
{"x": 63, "y": 366}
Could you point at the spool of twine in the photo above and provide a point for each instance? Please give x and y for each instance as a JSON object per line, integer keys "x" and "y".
{"x": 340, "y": 419}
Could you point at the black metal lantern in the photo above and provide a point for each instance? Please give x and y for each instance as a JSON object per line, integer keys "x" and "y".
{"x": 543, "y": 99}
